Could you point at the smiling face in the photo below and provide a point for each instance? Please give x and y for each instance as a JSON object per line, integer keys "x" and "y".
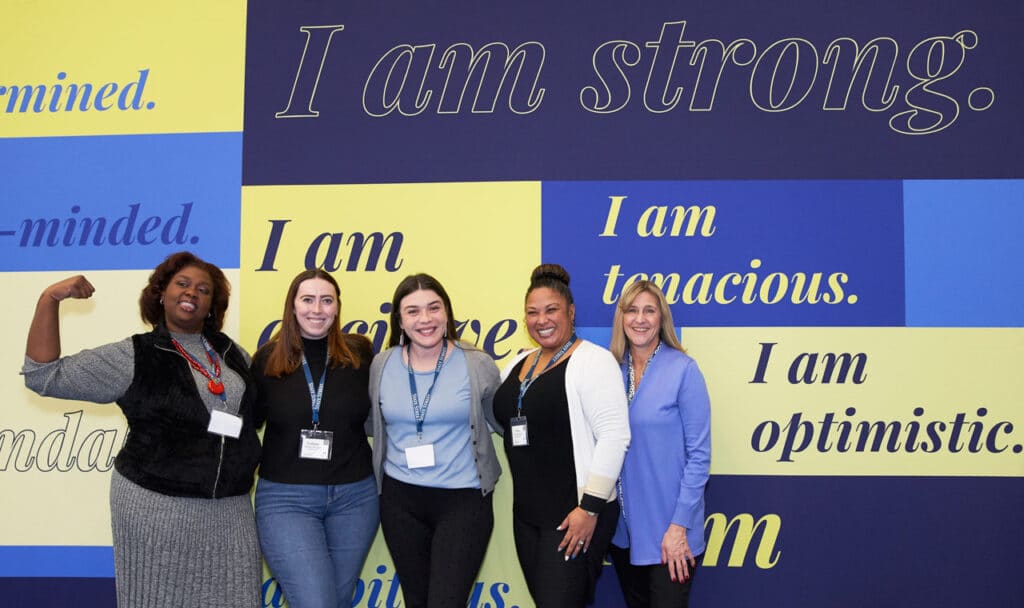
{"x": 549, "y": 318}
{"x": 641, "y": 321}
{"x": 423, "y": 318}
{"x": 316, "y": 308}
{"x": 187, "y": 300}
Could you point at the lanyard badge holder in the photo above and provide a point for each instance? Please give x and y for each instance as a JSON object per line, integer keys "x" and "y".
{"x": 422, "y": 456}
{"x": 315, "y": 444}
{"x": 517, "y": 423}
{"x": 221, "y": 423}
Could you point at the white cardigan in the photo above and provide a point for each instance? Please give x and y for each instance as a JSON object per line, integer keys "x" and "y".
{"x": 598, "y": 417}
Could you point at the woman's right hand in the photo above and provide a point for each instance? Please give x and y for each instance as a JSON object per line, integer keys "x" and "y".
{"x": 43, "y": 343}
{"x": 77, "y": 287}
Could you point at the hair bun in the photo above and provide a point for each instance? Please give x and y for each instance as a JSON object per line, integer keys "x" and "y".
{"x": 553, "y": 272}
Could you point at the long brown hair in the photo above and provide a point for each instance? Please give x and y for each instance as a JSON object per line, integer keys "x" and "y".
{"x": 286, "y": 344}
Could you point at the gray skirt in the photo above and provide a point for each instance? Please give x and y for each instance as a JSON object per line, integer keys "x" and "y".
{"x": 171, "y": 551}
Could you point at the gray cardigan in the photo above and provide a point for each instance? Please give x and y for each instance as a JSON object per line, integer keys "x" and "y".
{"x": 483, "y": 382}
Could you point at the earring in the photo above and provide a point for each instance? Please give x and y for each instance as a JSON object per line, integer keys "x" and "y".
{"x": 445, "y": 331}
{"x": 161, "y": 300}
{"x": 401, "y": 338}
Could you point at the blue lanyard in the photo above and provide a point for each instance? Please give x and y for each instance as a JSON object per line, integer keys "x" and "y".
{"x": 529, "y": 379}
{"x": 420, "y": 411}
{"x": 316, "y": 393}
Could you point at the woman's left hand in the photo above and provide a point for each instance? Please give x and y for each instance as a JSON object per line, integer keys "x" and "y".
{"x": 675, "y": 551}
{"x": 579, "y": 530}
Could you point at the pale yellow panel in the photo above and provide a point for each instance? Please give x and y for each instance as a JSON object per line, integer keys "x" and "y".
{"x": 54, "y": 484}
{"x": 950, "y": 374}
{"x": 480, "y": 240}
{"x": 186, "y": 60}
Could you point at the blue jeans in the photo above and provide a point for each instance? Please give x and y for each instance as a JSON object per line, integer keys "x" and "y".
{"x": 315, "y": 538}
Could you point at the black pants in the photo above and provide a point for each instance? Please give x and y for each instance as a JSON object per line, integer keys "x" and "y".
{"x": 437, "y": 539}
{"x": 650, "y": 586}
{"x": 554, "y": 582}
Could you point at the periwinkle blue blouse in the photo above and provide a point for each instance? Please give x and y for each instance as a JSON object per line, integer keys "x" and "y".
{"x": 669, "y": 459}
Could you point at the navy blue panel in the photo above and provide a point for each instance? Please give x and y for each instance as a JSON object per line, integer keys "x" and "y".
{"x": 586, "y": 106}
{"x": 77, "y": 592}
{"x": 874, "y": 541}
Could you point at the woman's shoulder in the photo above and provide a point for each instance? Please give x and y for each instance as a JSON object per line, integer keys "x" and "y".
{"x": 511, "y": 363}
{"x": 677, "y": 357}
{"x": 589, "y": 351}
{"x": 382, "y": 357}
{"x": 472, "y": 353}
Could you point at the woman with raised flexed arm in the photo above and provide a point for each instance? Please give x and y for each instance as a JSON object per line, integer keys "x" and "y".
{"x": 432, "y": 451}
{"x": 660, "y": 537}
{"x": 182, "y": 521}
{"x": 564, "y": 411}
{"x": 316, "y": 500}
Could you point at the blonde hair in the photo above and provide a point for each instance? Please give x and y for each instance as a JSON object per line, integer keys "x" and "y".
{"x": 667, "y": 332}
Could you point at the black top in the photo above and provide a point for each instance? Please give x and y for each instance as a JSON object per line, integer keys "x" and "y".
{"x": 168, "y": 448}
{"x": 285, "y": 404}
{"x": 544, "y": 472}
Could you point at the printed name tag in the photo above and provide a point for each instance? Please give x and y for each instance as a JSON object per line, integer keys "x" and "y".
{"x": 315, "y": 445}
{"x": 420, "y": 456}
{"x": 225, "y": 424}
{"x": 520, "y": 436}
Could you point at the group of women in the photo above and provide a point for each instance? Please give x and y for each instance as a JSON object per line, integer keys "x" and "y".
{"x": 609, "y": 452}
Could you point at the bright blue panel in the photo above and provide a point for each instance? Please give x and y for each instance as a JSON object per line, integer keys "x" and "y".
{"x": 119, "y": 202}
{"x": 776, "y": 253}
{"x": 601, "y": 336}
{"x": 965, "y": 253}
{"x": 56, "y": 561}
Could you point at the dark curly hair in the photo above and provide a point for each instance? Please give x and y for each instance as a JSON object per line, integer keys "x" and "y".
{"x": 552, "y": 276}
{"x": 152, "y": 310}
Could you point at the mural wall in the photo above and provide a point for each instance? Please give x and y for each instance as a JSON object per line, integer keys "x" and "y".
{"x": 829, "y": 196}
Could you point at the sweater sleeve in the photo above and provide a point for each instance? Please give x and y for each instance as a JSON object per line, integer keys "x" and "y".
{"x": 99, "y": 375}
{"x": 489, "y": 379}
{"x": 695, "y": 414}
{"x": 257, "y": 367}
{"x": 376, "y": 370}
{"x": 604, "y": 405}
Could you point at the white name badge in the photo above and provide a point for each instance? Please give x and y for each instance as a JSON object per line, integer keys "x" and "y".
{"x": 420, "y": 456}
{"x": 223, "y": 423}
{"x": 315, "y": 445}
{"x": 520, "y": 436}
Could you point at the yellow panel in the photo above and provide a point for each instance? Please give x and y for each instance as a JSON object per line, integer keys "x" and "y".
{"x": 920, "y": 384}
{"x": 186, "y": 60}
{"x": 480, "y": 240}
{"x": 56, "y": 480}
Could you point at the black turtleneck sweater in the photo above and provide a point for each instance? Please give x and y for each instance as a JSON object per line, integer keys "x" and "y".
{"x": 286, "y": 406}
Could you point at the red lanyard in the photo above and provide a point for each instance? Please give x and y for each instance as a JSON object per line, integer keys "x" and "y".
{"x": 214, "y": 384}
